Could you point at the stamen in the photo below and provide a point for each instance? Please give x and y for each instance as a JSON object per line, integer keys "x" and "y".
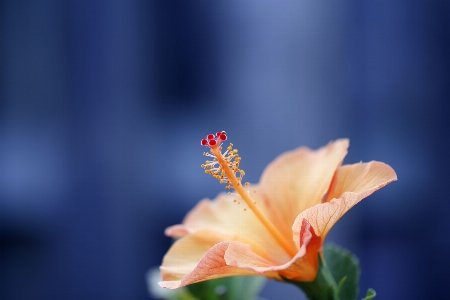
{"x": 225, "y": 168}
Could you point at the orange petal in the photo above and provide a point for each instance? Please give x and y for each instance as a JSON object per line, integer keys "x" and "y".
{"x": 299, "y": 179}
{"x": 196, "y": 258}
{"x": 351, "y": 184}
{"x": 225, "y": 216}
{"x": 303, "y": 266}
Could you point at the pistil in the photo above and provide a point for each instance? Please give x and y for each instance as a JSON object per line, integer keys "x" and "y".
{"x": 227, "y": 174}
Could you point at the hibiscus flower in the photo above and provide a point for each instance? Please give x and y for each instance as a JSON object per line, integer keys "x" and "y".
{"x": 275, "y": 228}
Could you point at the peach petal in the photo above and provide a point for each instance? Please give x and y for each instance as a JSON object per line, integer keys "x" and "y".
{"x": 303, "y": 266}
{"x": 225, "y": 216}
{"x": 176, "y": 231}
{"x": 351, "y": 184}
{"x": 299, "y": 179}
{"x": 242, "y": 256}
{"x": 360, "y": 177}
{"x": 188, "y": 262}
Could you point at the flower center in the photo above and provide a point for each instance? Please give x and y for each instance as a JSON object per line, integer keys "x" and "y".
{"x": 225, "y": 168}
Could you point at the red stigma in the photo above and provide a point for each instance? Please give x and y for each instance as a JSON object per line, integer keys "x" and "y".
{"x": 212, "y": 140}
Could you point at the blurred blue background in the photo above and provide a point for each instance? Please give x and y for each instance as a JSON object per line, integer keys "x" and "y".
{"x": 103, "y": 105}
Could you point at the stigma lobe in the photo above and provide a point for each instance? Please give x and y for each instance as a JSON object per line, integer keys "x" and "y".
{"x": 214, "y": 140}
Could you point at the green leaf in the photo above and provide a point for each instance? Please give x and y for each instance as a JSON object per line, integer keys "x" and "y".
{"x": 230, "y": 288}
{"x": 370, "y": 294}
{"x": 344, "y": 267}
{"x": 340, "y": 284}
{"x": 245, "y": 287}
{"x": 183, "y": 295}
